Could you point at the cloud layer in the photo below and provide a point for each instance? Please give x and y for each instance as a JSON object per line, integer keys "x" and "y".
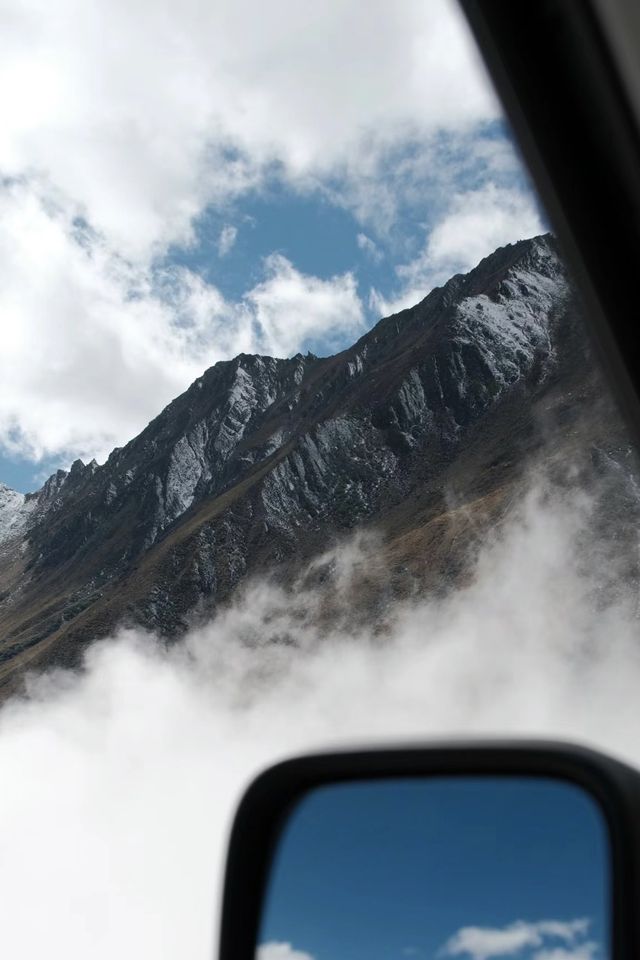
{"x": 484, "y": 943}
{"x": 538, "y": 939}
{"x": 124, "y": 125}
{"x": 276, "y": 950}
{"x": 143, "y": 116}
{"x": 118, "y": 783}
{"x": 94, "y": 347}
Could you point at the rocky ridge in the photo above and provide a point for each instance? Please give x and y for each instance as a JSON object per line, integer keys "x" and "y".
{"x": 262, "y": 461}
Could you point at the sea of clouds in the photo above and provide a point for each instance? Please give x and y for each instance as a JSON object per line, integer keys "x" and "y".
{"x": 119, "y": 781}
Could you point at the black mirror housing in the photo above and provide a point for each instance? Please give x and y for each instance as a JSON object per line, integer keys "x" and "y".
{"x": 270, "y": 799}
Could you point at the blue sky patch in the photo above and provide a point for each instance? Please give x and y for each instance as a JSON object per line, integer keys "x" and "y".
{"x": 386, "y": 870}
{"x": 372, "y": 224}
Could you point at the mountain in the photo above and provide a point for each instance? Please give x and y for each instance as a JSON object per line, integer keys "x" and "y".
{"x": 422, "y": 429}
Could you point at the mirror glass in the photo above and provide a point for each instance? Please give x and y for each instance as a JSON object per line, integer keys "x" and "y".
{"x": 443, "y": 867}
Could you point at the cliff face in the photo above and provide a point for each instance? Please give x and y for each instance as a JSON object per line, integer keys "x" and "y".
{"x": 262, "y": 461}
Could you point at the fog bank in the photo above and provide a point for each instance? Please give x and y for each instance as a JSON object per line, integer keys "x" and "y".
{"x": 119, "y": 781}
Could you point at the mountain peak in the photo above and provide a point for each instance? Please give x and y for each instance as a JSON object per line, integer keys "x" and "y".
{"x": 263, "y": 459}
{"x": 13, "y": 513}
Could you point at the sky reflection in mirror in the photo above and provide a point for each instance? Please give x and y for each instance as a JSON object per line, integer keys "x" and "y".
{"x": 468, "y": 867}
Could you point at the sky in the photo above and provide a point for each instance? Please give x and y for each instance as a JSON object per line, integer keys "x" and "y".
{"x": 183, "y": 182}
{"x": 475, "y": 868}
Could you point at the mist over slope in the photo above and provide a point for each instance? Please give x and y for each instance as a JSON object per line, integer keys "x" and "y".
{"x": 119, "y": 781}
{"x": 422, "y": 432}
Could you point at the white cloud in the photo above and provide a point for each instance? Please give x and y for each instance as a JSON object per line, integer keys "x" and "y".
{"x": 93, "y": 347}
{"x": 130, "y": 118}
{"x": 141, "y": 114}
{"x": 582, "y": 951}
{"x": 369, "y": 246}
{"x": 290, "y": 306}
{"x": 227, "y": 239}
{"x": 481, "y": 943}
{"x": 474, "y": 225}
{"x": 118, "y": 783}
{"x": 280, "y": 951}
{"x": 477, "y": 223}
{"x": 564, "y": 930}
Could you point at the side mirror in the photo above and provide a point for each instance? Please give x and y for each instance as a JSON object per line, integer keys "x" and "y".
{"x": 471, "y": 852}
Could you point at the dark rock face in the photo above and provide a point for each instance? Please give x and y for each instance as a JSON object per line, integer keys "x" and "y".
{"x": 262, "y": 461}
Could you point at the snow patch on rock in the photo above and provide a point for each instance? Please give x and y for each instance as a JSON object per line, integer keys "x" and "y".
{"x": 512, "y": 327}
{"x": 15, "y": 511}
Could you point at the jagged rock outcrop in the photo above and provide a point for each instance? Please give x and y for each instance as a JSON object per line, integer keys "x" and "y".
{"x": 262, "y": 461}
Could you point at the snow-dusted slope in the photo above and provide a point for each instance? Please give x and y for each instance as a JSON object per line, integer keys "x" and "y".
{"x": 15, "y": 510}
{"x": 511, "y": 324}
